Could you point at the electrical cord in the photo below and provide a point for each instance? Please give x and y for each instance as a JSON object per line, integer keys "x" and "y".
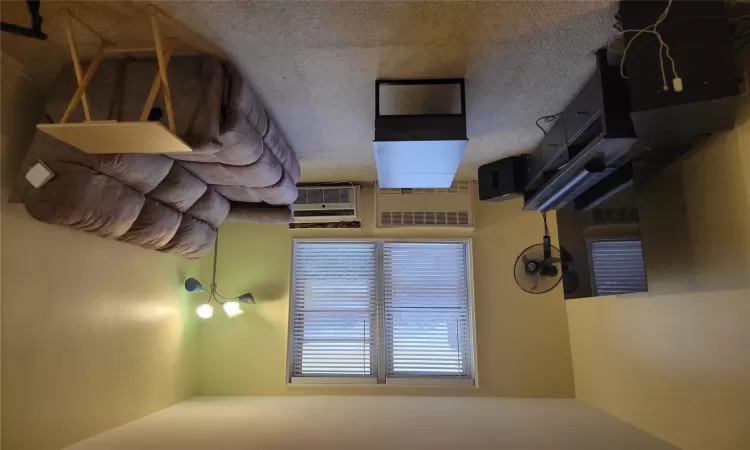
{"x": 544, "y": 216}
{"x": 742, "y": 34}
{"x": 742, "y": 45}
{"x": 746, "y": 17}
{"x": 663, "y": 49}
{"x": 739, "y": 35}
{"x": 547, "y": 119}
{"x": 225, "y": 298}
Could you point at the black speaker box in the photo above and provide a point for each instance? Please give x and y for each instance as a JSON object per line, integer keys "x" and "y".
{"x": 503, "y": 179}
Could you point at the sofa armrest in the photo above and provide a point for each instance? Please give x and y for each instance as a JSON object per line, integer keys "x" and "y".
{"x": 259, "y": 213}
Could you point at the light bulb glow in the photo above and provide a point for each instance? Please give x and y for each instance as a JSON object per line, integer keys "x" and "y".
{"x": 232, "y": 309}
{"x": 205, "y": 311}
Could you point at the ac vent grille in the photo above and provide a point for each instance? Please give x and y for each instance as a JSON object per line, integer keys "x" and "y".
{"x": 391, "y": 218}
{"x": 314, "y": 196}
{"x": 319, "y": 203}
{"x": 326, "y": 213}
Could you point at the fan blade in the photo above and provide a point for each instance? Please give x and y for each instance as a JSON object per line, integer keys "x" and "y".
{"x": 536, "y": 283}
{"x": 525, "y": 260}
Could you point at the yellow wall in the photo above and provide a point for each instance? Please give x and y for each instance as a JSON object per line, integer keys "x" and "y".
{"x": 95, "y": 333}
{"x": 344, "y": 423}
{"x": 676, "y": 362}
{"x": 522, "y": 339}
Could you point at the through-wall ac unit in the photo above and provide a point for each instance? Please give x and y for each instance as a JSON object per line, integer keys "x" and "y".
{"x": 425, "y": 207}
{"x": 317, "y": 203}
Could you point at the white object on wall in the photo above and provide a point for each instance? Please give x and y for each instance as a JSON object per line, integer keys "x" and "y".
{"x": 39, "y": 175}
{"x": 320, "y": 203}
{"x": 418, "y": 164}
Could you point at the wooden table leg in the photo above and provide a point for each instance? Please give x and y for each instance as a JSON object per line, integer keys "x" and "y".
{"x": 90, "y": 70}
{"x": 76, "y": 63}
{"x": 154, "y": 88}
{"x": 163, "y": 71}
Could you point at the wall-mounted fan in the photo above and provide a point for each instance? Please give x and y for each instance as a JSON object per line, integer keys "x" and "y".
{"x": 538, "y": 268}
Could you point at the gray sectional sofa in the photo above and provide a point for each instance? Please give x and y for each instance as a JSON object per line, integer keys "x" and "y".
{"x": 241, "y": 168}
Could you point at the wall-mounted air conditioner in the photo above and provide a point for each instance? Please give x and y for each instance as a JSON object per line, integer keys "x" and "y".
{"x": 425, "y": 207}
{"x": 317, "y": 203}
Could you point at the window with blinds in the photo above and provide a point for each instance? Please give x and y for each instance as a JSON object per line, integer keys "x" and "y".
{"x": 334, "y": 309}
{"x": 426, "y": 301}
{"x": 381, "y": 312}
{"x": 618, "y": 266}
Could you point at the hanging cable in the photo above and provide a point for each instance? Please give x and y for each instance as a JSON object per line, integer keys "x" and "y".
{"x": 663, "y": 49}
{"x": 547, "y": 119}
{"x": 742, "y": 45}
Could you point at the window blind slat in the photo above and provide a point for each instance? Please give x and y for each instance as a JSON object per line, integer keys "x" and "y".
{"x": 333, "y": 309}
{"x": 421, "y": 290}
{"x": 426, "y": 310}
{"x": 618, "y": 266}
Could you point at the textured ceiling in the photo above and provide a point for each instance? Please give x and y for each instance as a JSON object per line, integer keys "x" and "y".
{"x": 315, "y": 64}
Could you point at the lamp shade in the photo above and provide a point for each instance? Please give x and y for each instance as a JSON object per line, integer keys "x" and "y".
{"x": 192, "y": 285}
{"x": 246, "y": 298}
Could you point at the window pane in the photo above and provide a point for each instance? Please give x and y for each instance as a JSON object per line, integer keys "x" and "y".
{"x": 333, "y": 309}
{"x": 618, "y": 266}
{"x": 427, "y": 316}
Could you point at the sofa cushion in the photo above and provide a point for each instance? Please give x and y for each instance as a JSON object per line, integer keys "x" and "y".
{"x": 180, "y": 189}
{"x": 211, "y": 208}
{"x": 264, "y": 172}
{"x": 284, "y": 192}
{"x": 154, "y": 227}
{"x": 86, "y": 200}
{"x": 259, "y": 213}
{"x": 241, "y": 97}
{"x": 193, "y": 238}
{"x": 141, "y": 172}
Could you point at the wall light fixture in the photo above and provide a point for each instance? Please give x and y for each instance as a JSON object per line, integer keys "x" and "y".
{"x": 231, "y": 305}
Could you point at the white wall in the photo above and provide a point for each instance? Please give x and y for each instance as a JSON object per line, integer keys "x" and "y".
{"x": 675, "y": 361}
{"x": 345, "y": 423}
{"x": 95, "y": 333}
{"x": 522, "y": 339}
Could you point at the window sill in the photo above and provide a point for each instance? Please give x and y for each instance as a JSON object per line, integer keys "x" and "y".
{"x": 430, "y": 382}
{"x": 332, "y": 381}
{"x": 335, "y": 382}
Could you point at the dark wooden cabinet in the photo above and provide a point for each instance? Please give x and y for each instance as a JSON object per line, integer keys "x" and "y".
{"x": 590, "y": 140}
{"x": 699, "y": 35}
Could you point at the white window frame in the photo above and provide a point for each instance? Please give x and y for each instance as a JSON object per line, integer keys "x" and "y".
{"x": 381, "y": 380}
